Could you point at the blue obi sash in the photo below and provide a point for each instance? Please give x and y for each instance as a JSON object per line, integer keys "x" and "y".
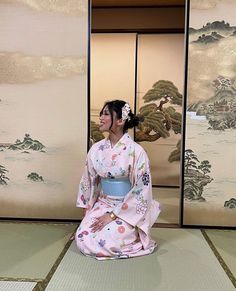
{"x": 116, "y": 187}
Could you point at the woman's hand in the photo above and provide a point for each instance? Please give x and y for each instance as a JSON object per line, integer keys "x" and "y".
{"x": 101, "y": 222}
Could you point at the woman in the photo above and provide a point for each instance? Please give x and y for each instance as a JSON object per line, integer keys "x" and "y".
{"x": 116, "y": 191}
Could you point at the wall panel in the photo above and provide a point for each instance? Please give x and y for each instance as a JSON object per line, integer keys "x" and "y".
{"x": 161, "y": 59}
{"x": 113, "y": 71}
{"x": 43, "y": 107}
{"x": 210, "y": 123}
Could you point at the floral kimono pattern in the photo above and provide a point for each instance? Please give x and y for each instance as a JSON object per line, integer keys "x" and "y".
{"x": 129, "y": 234}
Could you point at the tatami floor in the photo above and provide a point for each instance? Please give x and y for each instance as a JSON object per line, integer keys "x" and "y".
{"x": 40, "y": 256}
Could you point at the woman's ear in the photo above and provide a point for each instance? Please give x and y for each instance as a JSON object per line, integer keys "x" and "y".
{"x": 120, "y": 122}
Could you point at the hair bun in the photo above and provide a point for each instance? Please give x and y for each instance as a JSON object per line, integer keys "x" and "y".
{"x": 134, "y": 121}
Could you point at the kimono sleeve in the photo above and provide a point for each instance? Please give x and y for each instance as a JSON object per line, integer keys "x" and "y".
{"x": 87, "y": 182}
{"x": 137, "y": 203}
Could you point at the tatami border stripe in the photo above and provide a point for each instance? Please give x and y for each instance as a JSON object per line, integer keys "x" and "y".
{"x": 40, "y": 286}
{"x": 219, "y": 258}
{"x": 36, "y": 280}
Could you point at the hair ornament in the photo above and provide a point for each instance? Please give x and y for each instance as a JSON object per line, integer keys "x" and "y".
{"x": 125, "y": 112}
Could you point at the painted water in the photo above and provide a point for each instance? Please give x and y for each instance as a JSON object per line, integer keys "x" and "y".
{"x": 54, "y": 197}
{"x": 51, "y": 118}
{"x": 218, "y": 147}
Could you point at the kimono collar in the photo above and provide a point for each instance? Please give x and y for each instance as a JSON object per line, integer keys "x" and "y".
{"x": 122, "y": 141}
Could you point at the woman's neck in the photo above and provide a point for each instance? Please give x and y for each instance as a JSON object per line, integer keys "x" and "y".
{"x": 114, "y": 137}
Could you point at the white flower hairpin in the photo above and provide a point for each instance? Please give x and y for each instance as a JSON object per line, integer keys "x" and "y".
{"x": 125, "y": 112}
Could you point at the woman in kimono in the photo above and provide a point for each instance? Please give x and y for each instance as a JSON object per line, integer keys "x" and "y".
{"x": 116, "y": 191}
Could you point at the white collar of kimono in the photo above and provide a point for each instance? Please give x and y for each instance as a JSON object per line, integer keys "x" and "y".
{"x": 125, "y": 137}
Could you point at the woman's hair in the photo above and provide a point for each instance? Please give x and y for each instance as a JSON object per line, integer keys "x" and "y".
{"x": 116, "y": 106}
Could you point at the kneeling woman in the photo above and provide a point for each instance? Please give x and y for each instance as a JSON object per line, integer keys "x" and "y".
{"x": 116, "y": 191}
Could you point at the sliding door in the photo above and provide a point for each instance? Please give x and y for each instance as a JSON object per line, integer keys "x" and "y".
{"x": 210, "y": 124}
{"x": 43, "y": 106}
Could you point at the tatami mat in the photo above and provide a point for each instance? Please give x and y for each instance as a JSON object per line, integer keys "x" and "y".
{"x": 29, "y": 250}
{"x": 225, "y": 243}
{"x": 183, "y": 262}
{"x": 16, "y": 286}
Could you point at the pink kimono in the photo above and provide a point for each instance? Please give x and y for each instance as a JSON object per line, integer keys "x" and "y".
{"x": 129, "y": 234}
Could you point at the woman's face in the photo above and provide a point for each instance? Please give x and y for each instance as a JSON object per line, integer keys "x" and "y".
{"x": 105, "y": 120}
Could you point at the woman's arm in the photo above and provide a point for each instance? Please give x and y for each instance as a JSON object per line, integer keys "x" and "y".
{"x": 87, "y": 182}
{"x": 138, "y": 201}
